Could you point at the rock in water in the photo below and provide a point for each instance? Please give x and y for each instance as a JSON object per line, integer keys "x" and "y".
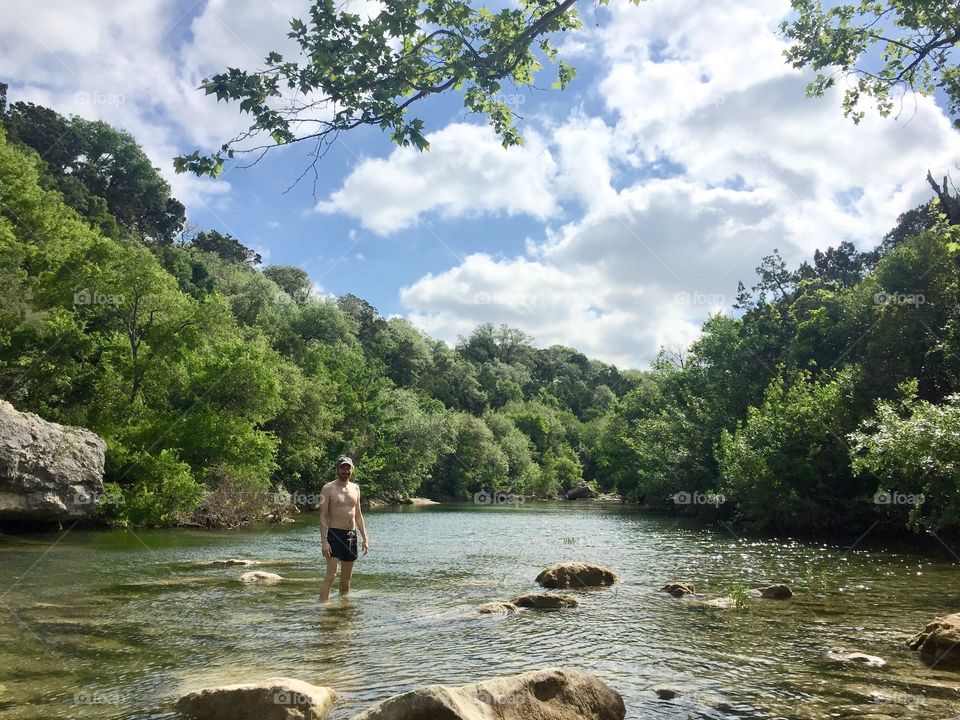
{"x": 229, "y": 562}
{"x": 260, "y": 577}
{"x": 545, "y": 601}
{"x": 272, "y": 699}
{"x": 679, "y": 589}
{"x": 494, "y": 608}
{"x": 580, "y": 491}
{"x": 48, "y": 472}
{"x": 841, "y": 655}
{"x": 776, "y": 592}
{"x": 550, "y": 694}
{"x": 940, "y": 641}
{"x": 575, "y": 574}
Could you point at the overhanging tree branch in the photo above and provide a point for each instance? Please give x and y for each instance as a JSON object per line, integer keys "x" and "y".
{"x": 357, "y": 72}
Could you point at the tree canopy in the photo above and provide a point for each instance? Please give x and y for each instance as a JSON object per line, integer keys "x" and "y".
{"x": 372, "y": 71}
{"x": 915, "y": 40}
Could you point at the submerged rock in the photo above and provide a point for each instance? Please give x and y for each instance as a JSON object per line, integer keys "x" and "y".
{"x": 492, "y": 608}
{"x": 260, "y": 577}
{"x": 576, "y": 574}
{"x": 940, "y": 641}
{"x": 723, "y": 603}
{"x": 550, "y": 694}
{"x": 841, "y": 655}
{"x": 48, "y": 472}
{"x": 666, "y": 693}
{"x": 273, "y": 699}
{"x": 545, "y": 601}
{"x": 776, "y": 592}
{"x": 229, "y": 562}
{"x": 679, "y": 589}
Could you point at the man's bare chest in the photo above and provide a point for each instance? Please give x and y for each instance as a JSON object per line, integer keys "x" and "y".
{"x": 342, "y": 499}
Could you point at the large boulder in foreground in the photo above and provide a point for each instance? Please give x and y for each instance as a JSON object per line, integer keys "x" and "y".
{"x": 576, "y": 574}
{"x": 550, "y": 694}
{"x": 545, "y": 601}
{"x": 273, "y": 699}
{"x": 940, "y": 641}
{"x": 48, "y": 472}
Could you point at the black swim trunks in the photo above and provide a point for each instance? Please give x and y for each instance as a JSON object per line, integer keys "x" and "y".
{"x": 343, "y": 544}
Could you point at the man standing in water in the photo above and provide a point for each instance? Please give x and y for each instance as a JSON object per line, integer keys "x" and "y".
{"x": 340, "y": 517}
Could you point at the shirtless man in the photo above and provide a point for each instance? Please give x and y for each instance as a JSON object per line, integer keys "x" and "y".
{"x": 340, "y": 515}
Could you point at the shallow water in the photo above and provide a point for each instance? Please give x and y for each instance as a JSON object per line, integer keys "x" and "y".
{"x": 118, "y": 624}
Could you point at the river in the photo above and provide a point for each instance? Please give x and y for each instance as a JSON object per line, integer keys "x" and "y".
{"x": 118, "y": 624}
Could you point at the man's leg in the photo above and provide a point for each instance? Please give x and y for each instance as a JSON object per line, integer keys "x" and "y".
{"x": 328, "y": 580}
{"x": 346, "y": 570}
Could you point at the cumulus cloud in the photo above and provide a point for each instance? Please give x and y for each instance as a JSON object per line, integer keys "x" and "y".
{"x": 138, "y": 65}
{"x": 753, "y": 165}
{"x": 467, "y": 172}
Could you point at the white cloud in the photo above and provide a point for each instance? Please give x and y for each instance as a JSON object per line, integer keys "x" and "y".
{"x": 136, "y": 66}
{"x": 702, "y": 89}
{"x": 466, "y": 172}
{"x": 706, "y": 157}
{"x": 582, "y": 310}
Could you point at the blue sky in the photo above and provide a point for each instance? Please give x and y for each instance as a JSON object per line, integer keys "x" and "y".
{"x": 683, "y": 153}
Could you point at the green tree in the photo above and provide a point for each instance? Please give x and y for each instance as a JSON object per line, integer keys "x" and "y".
{"x": 101, "y": 171}
{"x": 915, "y": 41}
{"x": 293, "y": 280}
{"x": 786, "y": 466}
{"x": 226, "y": 246}
{"x": 411, "y": 435}
{"x": 913, "y": 448}
{"x": 913, "y": 306}
{"x": 523, "y": 472}
{"x": 372, "y": 71}
{"x": 476, "y": 463}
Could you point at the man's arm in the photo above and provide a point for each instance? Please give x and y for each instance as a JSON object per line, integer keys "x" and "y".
{"x": 324, "y": 520}
{"x": 360, "y": 524}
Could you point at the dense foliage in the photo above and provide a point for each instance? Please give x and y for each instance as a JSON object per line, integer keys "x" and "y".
{"x": 211, "y": 378}
{"x": 788, "y": 416}
{"x": 827, "y": 399}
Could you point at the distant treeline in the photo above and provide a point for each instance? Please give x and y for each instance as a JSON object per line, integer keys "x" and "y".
{"x": 219, "y": 384}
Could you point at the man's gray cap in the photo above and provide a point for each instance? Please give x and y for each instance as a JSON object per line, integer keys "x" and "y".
{"x": 344, "y": 460}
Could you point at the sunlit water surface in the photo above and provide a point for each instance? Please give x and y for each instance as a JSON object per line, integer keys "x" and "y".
{"x": 117, "y": 624}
